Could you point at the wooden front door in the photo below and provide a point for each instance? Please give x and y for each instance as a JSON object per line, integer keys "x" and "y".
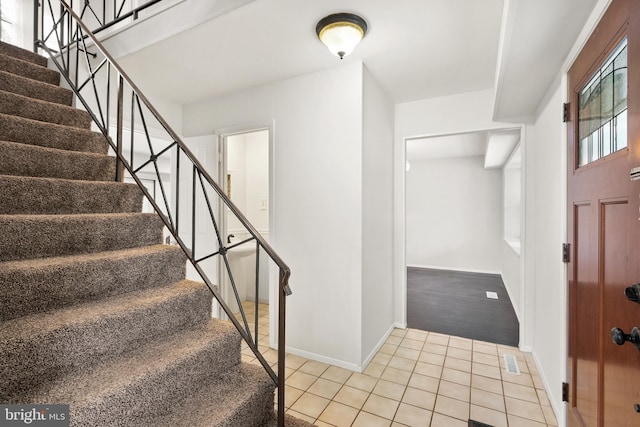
{"x": 604, "y": 222}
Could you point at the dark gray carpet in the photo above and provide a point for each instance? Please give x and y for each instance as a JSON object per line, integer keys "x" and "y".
{"x": 455, "y": 303}
{"x": 94, "y": 311}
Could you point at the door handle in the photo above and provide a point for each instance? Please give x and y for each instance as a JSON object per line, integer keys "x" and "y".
{"x": 619, "y": 337}
{"x": 633, "y": 293}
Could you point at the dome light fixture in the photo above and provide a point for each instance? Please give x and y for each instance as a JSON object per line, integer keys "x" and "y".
{"x": 341, "y": 32}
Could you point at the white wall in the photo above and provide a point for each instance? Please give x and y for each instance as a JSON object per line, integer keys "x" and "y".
{"x": 461, "y": 113}
{"x": 317, "y": 201}
{"x": 377, "y": 218}
{"x": 454, "y": 215}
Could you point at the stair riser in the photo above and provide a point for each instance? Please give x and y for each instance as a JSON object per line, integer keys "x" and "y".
{"x": 162, "y": 391}
{"x": 18, "y": 129}
{"x": 29, "y": 108}
{"x": 31, "y": 160}
{"x": 37, "y": 236}
{"x": 79, "y": 346}
{"x": 34, "y": 89}
{"x": 29, "y": 289}
{"x": 29, "y": 70}
{"x": 253, "y": 412}
{"x": 23, "y": 54}
{"x": 35, "y": 196}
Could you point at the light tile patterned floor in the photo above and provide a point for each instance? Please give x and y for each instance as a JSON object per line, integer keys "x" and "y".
{"x": 417, "y": 379}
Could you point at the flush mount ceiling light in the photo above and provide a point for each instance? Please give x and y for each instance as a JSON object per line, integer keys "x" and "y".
{"x": 341, "y": 32}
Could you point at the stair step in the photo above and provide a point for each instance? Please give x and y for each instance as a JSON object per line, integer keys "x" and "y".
{"x": 10, "y": 82}
{"x": 243, "y": 398}
{"x": 29, "y": 70}
{"x": 24, "y": 54}
{"x": 32, "y": 160}
{"x": 27, "y": 131}
{"x": 143, "y": 382}
{"x": 39, "y": 349}
{"x": 47, "y": 196}
{"x": 45, "y": 284}
{"x": 36, "y": 236}
{"x": 30, "y": 108}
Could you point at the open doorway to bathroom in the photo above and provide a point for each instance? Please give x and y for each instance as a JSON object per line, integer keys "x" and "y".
{"x": 245, "y": 175}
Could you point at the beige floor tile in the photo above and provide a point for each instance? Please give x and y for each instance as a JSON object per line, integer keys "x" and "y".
{"x": 408, "y": 353}
{"x": 287, "y": 372}
{"x": 455, "y": 391}
{"x": 488, "y": 416}
{"x": 413, "y": 344}
{"x": 322, "y": 424}
{"x": 523, "y": 422}
{"x": 388, "y": 349}
{"x": 381, "y": 358}
{"x": 402, "y": 363}
{"x": 389, "y": 389}
{"x": 314, "y": 368}
{"x": 485, "y": 347}
{"x": 520, "y": 392}
{"x": 393, "y": 340}
{"x": 456, "y": 376}
{"x": 381, "y": 406}
{"x": 270, "y": 356}
{"x": 291, "y": 394}
{"x": 486, "y": 383}
{"x": 542, "y": 397}
{"x": 338, "y": 415}
{"x": 487, "y": 359}
{"x": 294, "y": 362}
{"x": 428, "y": 369}
{"x": 440, "y": 420}
{"x": 246, "y": 359}
{"x": 486, "y": 370}
{"x": 522, "y": 379}
{"x": 310, "y": 405}
{"x": 438, "y": 339}
{"x": 396, "y": 375}
{"x": 487, "y": 399}
{"x": 457, "y": 364}
{"x": 432, "y": 358}
{"x": 416, "y": 334}
{"x": 365, "y": 419}
{"x": 463, "y": 343}
{"x": 452, "y": 407}
{"x": 435, "y": 348}
{"x": 300, "y": 416}
{"x": 351, "y": 397}
{"x": 549, "y": 416}
{"x": 399, "y": 332}
{"x": 523, "y": 409}
{"x": 324, "y": 388}
{"x": 424, "y": 382}
{"x": 412, "y": 416}
{"x": 420, "y": 398}
{"x": 301, "y": 380}
{"x": 374, "y": 370}
{"x": 362, "y": 382}
{"x": 459, "y": 353}
{"x": 339, "y": 375}
{"x": 537, "y": 381}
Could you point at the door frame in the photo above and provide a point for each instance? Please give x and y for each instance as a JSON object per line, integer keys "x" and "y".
{"x": 222, "y": 135}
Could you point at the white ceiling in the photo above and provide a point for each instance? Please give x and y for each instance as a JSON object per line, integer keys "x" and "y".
{"x": 415, "y": 49}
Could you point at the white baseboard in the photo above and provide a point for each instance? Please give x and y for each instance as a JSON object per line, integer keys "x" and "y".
{"x": 371, "y": 355}
{"x": 400, "y": 325}
{"x": 324, "y": 359}
{"x": 464, "y": 270}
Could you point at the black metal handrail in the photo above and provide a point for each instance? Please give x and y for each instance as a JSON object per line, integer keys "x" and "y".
{"x": 101, "y": 85}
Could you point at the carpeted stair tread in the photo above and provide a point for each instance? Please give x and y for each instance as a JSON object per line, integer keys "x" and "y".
{"x": 33, "y": 160}
{"x": 24, "y": 54}
{"x": 34, "y": 196}
{"x": 35, "y": 109}
{"x": 35, "y": 236}
{"x": 28, "y": 131}
{"x": 29, "y": 70}
{"x": 44, "y": 284}
{"x": 10, "y": 82}
{"x": 37, "y": 349}
{"x": 243, "y": 398}
{"x": 147, "y": 381}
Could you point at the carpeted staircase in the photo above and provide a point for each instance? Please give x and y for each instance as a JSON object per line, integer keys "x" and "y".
{"x": 95, "y": 311}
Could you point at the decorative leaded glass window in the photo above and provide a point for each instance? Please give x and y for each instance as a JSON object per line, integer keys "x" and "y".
{"x": 602, "y": 118}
